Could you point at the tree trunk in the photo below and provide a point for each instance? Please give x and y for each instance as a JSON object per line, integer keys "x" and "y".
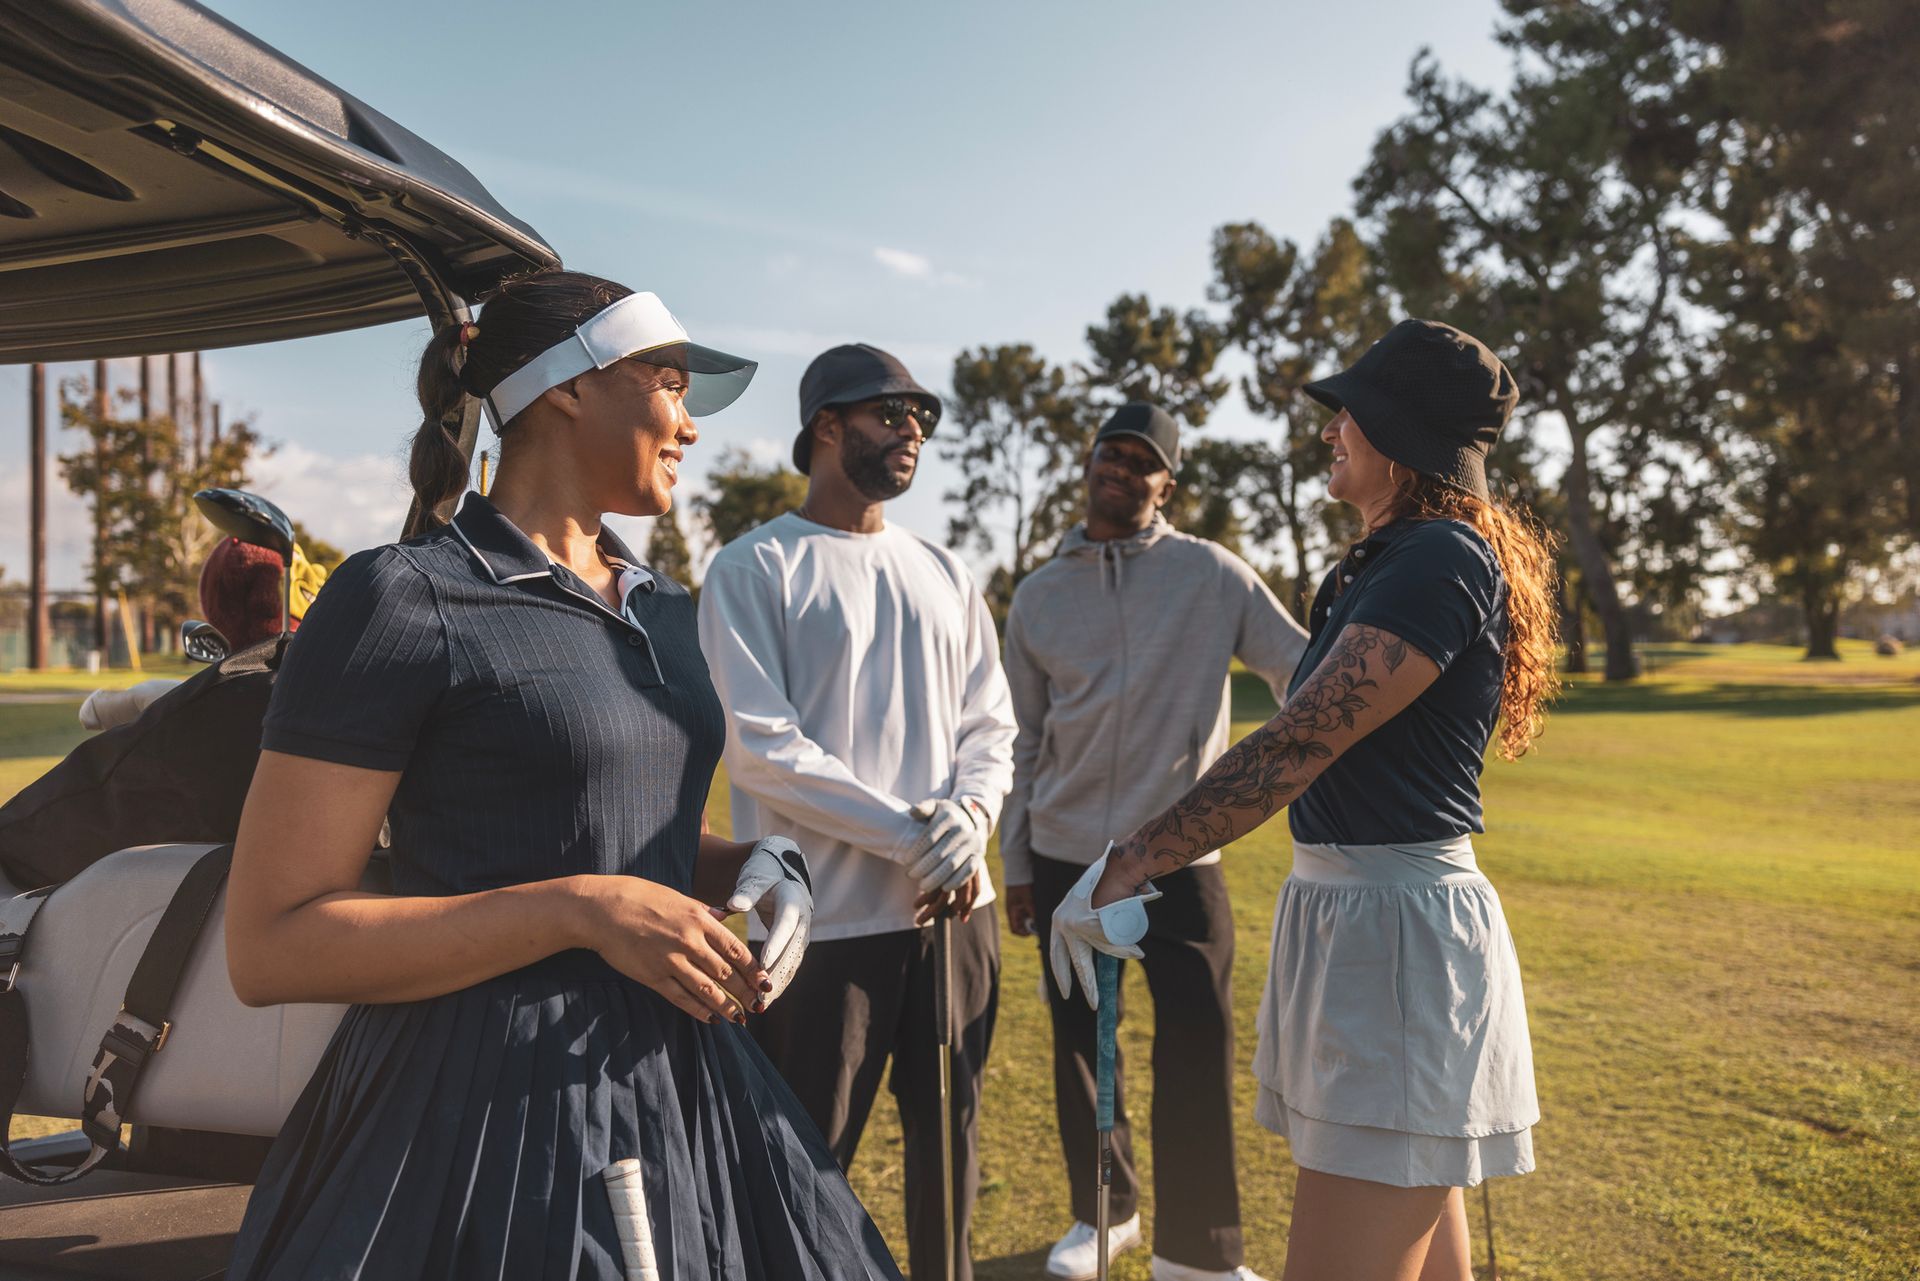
{"x": 1573, "y": 629}
{"x": 1595, "y": 573}
{"x": 1302, "y": 601}
{"x": 1906, "y": 421}
{"x": 1820, "y": 602}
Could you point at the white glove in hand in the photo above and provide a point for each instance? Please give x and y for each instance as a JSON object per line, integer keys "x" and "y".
{"x": 775, "y": 881}
{"x": 1079, "y": 929}
{"x": 950, "y": 849}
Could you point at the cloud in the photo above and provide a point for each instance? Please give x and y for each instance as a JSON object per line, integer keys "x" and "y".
{"x": 352, "y": 501}
{"x": 912, "y": 266}
{"x": 902, "y": 263}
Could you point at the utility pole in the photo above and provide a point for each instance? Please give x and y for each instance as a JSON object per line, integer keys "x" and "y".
{"x": 101, "y": 408}
{"x": 37, "y": 519}
{"x": 215, "y": 407}
{"x": 199, "y": 414}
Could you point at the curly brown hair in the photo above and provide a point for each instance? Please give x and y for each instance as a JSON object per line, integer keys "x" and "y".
{"x": 1524, "y": 549}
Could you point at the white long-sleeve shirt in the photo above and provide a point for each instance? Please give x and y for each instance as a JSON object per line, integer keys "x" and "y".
{"x": 861, "y": 675}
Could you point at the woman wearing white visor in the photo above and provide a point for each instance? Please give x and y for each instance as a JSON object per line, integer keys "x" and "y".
{"x": 1394, "y": 1055}
{"x": 542, "y": 1073}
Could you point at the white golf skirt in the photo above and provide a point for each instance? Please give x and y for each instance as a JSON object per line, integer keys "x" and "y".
{"x": 1393, "y": 1033}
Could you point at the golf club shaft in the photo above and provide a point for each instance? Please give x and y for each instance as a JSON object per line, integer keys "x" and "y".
{"x": 943, "y": 1019}
{"x": 1106, "y": 1049}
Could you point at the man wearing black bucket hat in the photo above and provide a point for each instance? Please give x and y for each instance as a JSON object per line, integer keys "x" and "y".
{"x": 1394, "y": 1055}
{"x": 861, "y": 672}
{"x": 1118, "y": 651}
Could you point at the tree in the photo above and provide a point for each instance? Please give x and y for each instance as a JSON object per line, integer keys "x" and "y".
{"x": 1012, "y": 432}
{"x": 141, "y": 480}
{"x": 1296, "y": 318}
{"x": 1550, "y": 218}
{"x": 1814, "y": 181}
{"x": 745, "y": 495}
{"x": 1818, "y": 145}
{"x": 667, "y": 550}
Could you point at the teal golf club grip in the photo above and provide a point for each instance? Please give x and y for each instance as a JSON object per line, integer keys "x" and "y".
{"x": 1106, "y": 973}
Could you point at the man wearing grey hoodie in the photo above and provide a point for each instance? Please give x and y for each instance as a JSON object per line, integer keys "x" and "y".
{"x": 1117, "y": 652}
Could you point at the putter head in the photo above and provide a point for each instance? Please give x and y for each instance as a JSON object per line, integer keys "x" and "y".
{"x": 202, "y": 641}
{"x": 249, "y": 518}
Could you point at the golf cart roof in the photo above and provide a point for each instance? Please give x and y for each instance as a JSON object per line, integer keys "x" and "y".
{"x": 169, "y": 183}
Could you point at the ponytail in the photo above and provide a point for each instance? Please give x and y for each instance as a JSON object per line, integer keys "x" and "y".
{"x": 437, "y": 468}
{"x": 523, "y": 316}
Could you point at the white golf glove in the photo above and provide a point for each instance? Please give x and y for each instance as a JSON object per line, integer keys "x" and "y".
{"x": 951, "y": 848}
{"x": 774, "y": 881}
{"x": 1079, "y": 929}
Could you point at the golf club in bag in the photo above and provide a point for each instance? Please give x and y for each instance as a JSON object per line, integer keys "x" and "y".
{"x": 252, "y": 519}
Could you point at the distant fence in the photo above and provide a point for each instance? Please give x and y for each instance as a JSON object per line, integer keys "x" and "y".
{"x": 70, "y": 633}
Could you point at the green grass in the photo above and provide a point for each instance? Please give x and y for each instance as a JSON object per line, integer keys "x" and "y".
{"x": 1711, "y": 875}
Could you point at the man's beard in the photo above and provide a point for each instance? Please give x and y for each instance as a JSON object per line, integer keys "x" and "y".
{"x": 1112, "y": 508}
{"x": 865, "y": 464}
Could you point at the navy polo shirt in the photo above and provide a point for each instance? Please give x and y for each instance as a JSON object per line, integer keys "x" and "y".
{"x": 537, "y": 732}
{"x": 1436, "y": 585}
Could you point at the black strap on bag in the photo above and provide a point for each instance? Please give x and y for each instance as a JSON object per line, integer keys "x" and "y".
{"x": 138, "y": 1033}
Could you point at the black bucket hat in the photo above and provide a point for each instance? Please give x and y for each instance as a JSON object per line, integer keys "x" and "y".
{"x": 1430, "y": 397}
{"x": 846, "y": 375}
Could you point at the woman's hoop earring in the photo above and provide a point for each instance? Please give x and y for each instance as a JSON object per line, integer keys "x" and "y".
{"x": 1390, "y": 478}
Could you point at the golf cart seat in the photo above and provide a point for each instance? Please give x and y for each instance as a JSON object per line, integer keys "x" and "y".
{"x": 167, "y": 1209}
{"x": 224, "y": 1067}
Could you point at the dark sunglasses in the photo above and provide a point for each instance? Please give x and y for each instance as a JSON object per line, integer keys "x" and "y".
{"x": 1138, "y": 462}
{"x": 894, "y": 411}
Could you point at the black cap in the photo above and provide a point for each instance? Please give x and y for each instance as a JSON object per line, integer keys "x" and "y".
{"x": 845, "y": 375}
{"x": 1429, "y": 397}
{"x": 1151, "y": 424}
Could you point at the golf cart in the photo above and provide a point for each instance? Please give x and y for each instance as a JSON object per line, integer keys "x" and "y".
{"x": 169, "y": 183}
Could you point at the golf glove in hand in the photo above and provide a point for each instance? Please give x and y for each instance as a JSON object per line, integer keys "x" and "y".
{"x": 775, "y": 881}
{"x": 1079, "y": 929}
{"x": 951, "y": 848}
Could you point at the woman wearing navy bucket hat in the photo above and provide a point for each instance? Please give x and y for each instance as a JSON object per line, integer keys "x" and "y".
{"x": 1393, "y": 1052}
{"x": 544, "y": 1071}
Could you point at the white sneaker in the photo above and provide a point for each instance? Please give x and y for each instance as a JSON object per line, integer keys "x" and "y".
{"x": 1076, "y": 1256}
{"x": 1168, "y": 1270}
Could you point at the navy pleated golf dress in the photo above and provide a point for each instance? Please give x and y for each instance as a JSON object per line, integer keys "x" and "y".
{"x": 538, "y": 734}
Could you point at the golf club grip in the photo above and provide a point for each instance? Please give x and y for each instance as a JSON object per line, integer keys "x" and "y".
{"x": 943, "y": 977}
{"x": 1106, "y": 972}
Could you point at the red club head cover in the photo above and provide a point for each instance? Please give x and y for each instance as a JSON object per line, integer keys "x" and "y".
{"x": 240, "y": 592}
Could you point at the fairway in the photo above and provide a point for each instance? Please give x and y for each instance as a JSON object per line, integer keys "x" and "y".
{"x": 1711, "y": 876}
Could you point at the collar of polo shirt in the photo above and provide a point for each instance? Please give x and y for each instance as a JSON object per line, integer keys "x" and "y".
{"x": 637, "y": 325}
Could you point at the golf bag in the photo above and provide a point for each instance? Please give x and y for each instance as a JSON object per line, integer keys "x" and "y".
{"x": 124, "y": 941}
{"x": 179, "y": 772}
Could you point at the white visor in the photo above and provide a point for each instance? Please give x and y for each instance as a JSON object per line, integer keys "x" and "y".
{"x": 637, "y": 325}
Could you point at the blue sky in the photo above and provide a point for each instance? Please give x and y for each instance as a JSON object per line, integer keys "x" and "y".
{"x": 928, "y": 178}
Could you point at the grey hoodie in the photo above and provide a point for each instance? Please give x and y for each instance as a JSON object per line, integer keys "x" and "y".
{"x": 1118, "y": 655}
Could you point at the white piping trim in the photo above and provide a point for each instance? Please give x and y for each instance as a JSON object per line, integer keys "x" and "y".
{"x": 491, "y": 571}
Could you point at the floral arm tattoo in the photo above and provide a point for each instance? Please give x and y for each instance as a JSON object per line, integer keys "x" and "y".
{"x": 1366, "y": 678}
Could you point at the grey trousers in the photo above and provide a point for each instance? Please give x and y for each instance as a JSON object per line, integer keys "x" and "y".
{"x": 857, "y": 1002}
{"x": 1189, "y": 965}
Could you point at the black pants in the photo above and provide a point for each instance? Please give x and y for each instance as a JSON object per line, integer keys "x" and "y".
{"x": 1189, "y": 964}
{"x": 857, "y": 1001}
